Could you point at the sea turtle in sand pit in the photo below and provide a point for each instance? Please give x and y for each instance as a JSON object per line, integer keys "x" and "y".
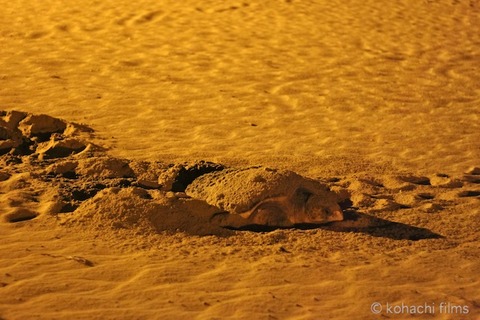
{"x": 267, "y": 197}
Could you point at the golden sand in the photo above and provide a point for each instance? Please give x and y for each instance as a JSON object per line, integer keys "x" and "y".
{"x": 379, "y": 99}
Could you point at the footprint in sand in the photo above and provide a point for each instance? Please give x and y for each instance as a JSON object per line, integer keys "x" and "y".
{"x": 28, "y": 143}
{"x": 149, "y": 17}
{"x": 20, "y": 214}
{"x": 19, "y": 200}
{"x": 391, "y": 193}
{"x": 45, "y": 137}
{"x": 37, "y": 35}
{"x": 471, "y": 179}
{"x": 469, "y": 193}
{"x": 141, "y": 18}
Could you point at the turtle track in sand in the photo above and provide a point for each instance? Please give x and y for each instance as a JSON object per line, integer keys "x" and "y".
{"x": 51, "y": 170}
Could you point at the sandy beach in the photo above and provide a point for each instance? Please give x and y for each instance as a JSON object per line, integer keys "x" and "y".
{"x": 104, "y": 103}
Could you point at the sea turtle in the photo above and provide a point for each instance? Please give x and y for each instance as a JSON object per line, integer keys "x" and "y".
{"x": 266, "y": 197}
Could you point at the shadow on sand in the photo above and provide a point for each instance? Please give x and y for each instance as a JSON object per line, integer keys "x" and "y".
{"x": 363, "y": 223}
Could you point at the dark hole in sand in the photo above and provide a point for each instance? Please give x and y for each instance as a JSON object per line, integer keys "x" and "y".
{"x": 99, "y": 186}
{"x": 13, "y": 159}
{"x": 146, "y": 196}
{"x": 44, "y": 136}
{"x": 469, "y": 193}
{"x": 61, "y": 152}
{"x": 423, "y": 181}
{"x": 69, "y": 207}
{"x": 187, "y": 175}
{"x": 22, "y": 215}
{"x": 4, "y": 176}
{"x": 70, "y": 175}
{"x": 122, "y": 183}
{"x": 4, "y": 134}
{"x": 426, "y": 196}
{"x": 473, "y": 179}
{"x": 345, "y": 204}
{"x": 24, "y": 149}
{"x": 82, "y": 195}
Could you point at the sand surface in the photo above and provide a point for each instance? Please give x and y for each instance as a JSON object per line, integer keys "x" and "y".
{"x": 380, "y": 100}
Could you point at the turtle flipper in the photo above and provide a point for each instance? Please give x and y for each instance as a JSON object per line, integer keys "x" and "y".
{"x": 269, "y": 213}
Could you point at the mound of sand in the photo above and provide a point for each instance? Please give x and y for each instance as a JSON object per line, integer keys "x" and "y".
{"x": 144, "y": 212}
{"x": 51, "y": 168}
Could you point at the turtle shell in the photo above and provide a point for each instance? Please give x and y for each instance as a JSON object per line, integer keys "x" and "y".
{"x": 267, "y": 196}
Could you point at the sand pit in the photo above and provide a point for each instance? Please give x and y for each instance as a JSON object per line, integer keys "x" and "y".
{"x": 114, "y": 108}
